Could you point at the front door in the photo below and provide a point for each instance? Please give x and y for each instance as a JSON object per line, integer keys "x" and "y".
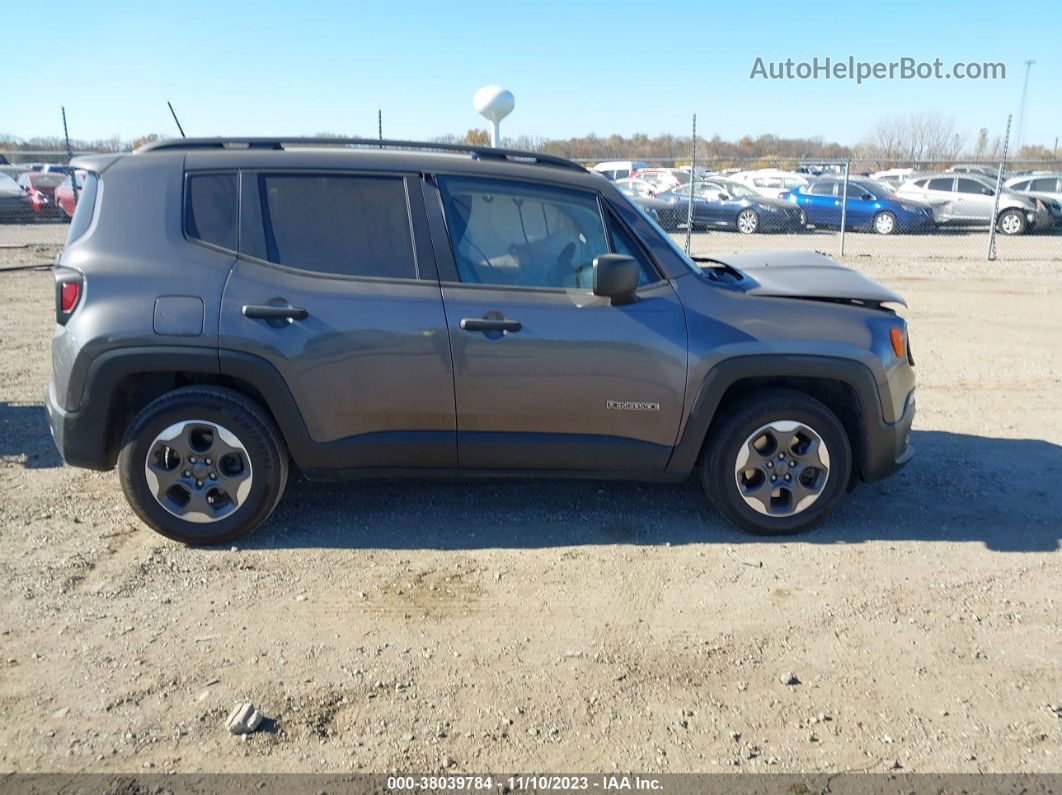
{"x": 546, "y": 374}
{"x": 334, "y": 289}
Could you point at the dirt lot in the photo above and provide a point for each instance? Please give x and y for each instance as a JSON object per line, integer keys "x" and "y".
{"x": 565, "y": 626}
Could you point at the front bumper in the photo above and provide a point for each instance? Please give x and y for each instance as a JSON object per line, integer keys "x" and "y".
{"x": 888, "y": 444}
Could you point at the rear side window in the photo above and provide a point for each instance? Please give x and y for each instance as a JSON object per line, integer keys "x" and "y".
{"x": 1045, "y": 184}
{"x": 342, "y": 224}
{"x": 211, "y": 212}
{"x": 85, "y": 207}
{"x": 941, "y": 183}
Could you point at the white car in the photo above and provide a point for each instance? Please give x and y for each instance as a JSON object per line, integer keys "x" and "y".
{"x": 619, "y": 169}
{"x": 893, "y": 177}
{"x": 664, "y": 178}
{"x": 771, "y": 182}
{"x": 638, "y": 187}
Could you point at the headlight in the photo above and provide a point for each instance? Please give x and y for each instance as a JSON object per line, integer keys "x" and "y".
{"x": 765, "y": 207}
{"x": 909, "y": 208}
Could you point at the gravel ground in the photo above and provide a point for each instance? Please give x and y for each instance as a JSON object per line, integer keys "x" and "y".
{"x": 564, "y": 626}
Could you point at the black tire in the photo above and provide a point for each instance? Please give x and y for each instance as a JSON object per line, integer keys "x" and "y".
{"x": 884, "y": 223}
{"x": 728, "y": 435}
{"x": 254, "y": 429}
{"x": 1017, "y": 227}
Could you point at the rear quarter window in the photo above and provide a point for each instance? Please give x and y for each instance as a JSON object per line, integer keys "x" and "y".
{"x": 211, "y": 211}
{"x": 84, "y": 209}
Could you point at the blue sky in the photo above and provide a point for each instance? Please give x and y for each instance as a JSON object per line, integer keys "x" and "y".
{"x": 575, "y": 67}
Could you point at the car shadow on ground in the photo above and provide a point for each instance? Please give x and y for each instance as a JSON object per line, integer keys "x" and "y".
{"x": 24, "y": 433}
{"x": 997, "y": 492}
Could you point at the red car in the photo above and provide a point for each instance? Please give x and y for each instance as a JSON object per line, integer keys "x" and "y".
{"x": 41, "y": 191}
{"x": 64, "y": 194}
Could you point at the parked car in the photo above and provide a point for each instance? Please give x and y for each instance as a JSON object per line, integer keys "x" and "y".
{"x": 968, "y": 199}
{"x": 64, "y": 195}
{"x": 1045, "y": 186}
{"x": 643, "y": 194}
{"x": 893, "y": 177}
{"x": 1042, "y": 184}
{"x": 870, "y": 205}
{"x": 632, "y": 186}
{"x": 770, "y": 182}
{"x": 619, "y": 169}
{"x": 14, "y": 202}
{"x": 54, "y": 168}
{"x": 722, "y": 203}
{"x": 40, "y": 188}
{"x": 991, "y": 172}
{"x": 664, "y": 178}
{"x": 13, "y": 171}
{"x": 233, "y": 311}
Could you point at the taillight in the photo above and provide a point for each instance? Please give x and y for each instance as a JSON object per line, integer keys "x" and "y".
{"x": 68, "y": 288}
{"x": 69, "y": 295}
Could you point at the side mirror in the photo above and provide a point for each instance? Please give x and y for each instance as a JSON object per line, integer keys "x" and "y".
{"x": 866, "y": 197}
{"x": 616, "y": 277}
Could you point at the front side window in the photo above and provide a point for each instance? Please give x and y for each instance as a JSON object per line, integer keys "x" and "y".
{"x": 973, "y": 186}
{"x": 1048, "y": 184}
{"x": 522, "y": 235}
{"x": 343, "y": 224}
{"x": 211, "y": 209}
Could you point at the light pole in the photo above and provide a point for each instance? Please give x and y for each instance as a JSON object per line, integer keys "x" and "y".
{"x": 1021, "y": 108}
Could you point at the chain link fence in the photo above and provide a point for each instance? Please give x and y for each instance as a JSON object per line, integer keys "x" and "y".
{"x": 851, "y": 209}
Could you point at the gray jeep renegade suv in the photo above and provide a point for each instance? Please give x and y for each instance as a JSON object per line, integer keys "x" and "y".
{"x": 227, "y": 309}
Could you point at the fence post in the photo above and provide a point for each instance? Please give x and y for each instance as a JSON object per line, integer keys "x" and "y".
{"x": 693, "y": 178}
{"x": 844, "y": 204}
{"x": 995, "y": 204}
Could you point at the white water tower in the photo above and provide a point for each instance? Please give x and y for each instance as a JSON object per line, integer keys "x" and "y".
{"x": 494, "y": 103}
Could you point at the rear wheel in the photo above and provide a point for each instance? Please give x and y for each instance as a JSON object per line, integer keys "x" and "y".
{"x": 885, "y": 223}
{"x": 203, "y": 465}
{"x": 777, "y": 465}
{"x": 1012, "y": 222}
{"x": 748, "y": 222}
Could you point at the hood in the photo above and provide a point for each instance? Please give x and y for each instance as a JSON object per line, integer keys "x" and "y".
{"x": 804, "y": 274}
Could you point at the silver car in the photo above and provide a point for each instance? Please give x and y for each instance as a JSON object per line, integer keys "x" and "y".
{"x": 1045, "y": 186}
{"x": 969, "y": 199}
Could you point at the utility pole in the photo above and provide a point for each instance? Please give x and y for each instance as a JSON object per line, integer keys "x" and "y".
{"x": 379, "y": 123}
{"x": 66, "y": 135}
{"x": 1021, "y": 108}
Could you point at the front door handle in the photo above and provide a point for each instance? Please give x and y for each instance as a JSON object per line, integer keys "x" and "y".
{"x": 271, "y": 312}
{"x": 490, "y": 324}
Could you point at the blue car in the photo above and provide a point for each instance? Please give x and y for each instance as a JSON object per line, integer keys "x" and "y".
{"x": 871, "y": 205}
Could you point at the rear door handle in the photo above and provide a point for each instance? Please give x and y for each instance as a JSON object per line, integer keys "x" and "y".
{"x": 270, "y": 312}
{"x": 489, "y": 324}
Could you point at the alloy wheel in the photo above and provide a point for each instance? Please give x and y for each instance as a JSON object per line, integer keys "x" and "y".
{"x": 199, "y": 471}
{"x": 782, "y": 468}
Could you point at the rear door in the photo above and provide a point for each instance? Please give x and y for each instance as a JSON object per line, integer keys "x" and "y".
{"x": 364, "y": 348}
{"x": 547, "y": 375}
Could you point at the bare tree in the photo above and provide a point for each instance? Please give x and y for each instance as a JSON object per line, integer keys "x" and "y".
{"x": 917, "y": 136}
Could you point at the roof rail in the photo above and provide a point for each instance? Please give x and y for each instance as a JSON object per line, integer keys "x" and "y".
{"x": 477, "y": 152}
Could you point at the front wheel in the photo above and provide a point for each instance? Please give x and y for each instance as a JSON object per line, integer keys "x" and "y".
{"x": 1012, "y": 222}
{"x": 885, "y": 223}
{"x": 203, "y": 465}
{"x": 778, "y": 464}
{"x": 748, "y": 223}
